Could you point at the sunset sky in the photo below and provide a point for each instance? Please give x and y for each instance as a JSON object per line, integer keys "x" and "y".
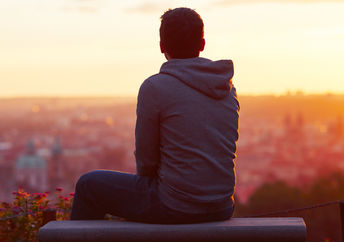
{"x": 108, "y": 47}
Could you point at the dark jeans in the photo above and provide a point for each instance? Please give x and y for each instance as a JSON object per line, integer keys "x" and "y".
{"x": 131, "y": 197}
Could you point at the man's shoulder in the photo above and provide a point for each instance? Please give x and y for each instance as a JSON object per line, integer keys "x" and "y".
{"x": 151, "y": 80}
{"x": 158, "y": 77}
{"x": 158, "y": 81}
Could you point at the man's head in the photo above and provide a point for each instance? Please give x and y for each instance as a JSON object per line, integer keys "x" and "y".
{"x": 181, "y": 33}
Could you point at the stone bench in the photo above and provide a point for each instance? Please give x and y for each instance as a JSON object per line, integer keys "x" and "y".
{"x": 235, "y": 229}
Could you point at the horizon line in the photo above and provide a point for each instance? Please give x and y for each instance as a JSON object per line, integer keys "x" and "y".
{"x": 124, "y": 96}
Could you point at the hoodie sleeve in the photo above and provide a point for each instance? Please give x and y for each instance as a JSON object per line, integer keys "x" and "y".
{"x": 147, "y": 134}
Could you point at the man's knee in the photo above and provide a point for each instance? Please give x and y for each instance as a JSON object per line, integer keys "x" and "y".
{"x": 86, "y": 179}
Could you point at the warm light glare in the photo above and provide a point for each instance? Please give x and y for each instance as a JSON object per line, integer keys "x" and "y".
{"x": 109, "y": 121}
{"x": 35, "y": 109}
{"x": 109, "y": 47}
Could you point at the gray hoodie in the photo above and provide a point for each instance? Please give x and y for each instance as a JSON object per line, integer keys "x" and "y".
{"x": 186, "y": 133}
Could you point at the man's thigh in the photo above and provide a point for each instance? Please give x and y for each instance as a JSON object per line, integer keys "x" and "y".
{"x": 120, "y": 194}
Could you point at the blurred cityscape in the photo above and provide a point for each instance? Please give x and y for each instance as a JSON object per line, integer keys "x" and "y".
{"x": 49, "y": 142}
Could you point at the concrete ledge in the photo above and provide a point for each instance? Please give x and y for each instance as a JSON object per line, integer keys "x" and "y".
{"x": 235, "y": 229}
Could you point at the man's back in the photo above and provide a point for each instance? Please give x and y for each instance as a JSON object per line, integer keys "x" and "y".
{"x": 196, "y": 114}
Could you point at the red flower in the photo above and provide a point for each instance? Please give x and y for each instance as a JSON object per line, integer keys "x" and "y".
{"x": 16, "y": 210}
{"x": 23, "y": 194}
{"x": 39, "y": 195}
{"x": 5, "y": 205}
{"x": 59, "y": 189}
{"x": 71, "y": 194}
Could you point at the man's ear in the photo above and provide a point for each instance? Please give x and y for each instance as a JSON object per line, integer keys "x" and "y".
{"x": 162, "y": 49}
{"x": 202, "y": 45}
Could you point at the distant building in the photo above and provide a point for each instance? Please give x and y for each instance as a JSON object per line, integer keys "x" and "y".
{"x": 56, "y": 165}
{"x": 6, "y": 180}
{"x": 294, "y": 129}
{"x": 336, "y": 129}
{"x": 288, "y": 126}
{"x": 31, "y": 170}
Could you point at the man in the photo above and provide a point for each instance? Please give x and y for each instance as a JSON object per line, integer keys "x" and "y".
{"x": 186, "y": 133}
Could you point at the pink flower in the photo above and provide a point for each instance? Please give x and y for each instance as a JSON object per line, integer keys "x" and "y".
{"x": 66, "y": 199}
{"x": 22, "y": 194}
{"x": 5, "y": 205}
{"x": 71, "y": 194}
{"x": 16, "y": 210}
{"x": 39, "y": 195}
{"x": 59, "y": 189}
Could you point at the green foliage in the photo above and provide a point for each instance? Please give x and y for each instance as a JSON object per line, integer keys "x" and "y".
{"x": 21, "y": 219}
{"x": 327, "y": 188}
{"x": 277, "y": 196}
{"x": 273, "y": 197}
{"x": 316, "y": 204}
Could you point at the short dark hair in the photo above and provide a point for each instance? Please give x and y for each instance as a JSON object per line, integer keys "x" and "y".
{"x": 181, "y": 32}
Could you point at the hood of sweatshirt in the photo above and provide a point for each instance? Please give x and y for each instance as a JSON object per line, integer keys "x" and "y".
{"x": 212, "y": 78}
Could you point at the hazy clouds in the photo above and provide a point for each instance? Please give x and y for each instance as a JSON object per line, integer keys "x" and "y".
{"x": 82, "y": 6}
{"x": 149, "y": 7}
{"x": 236, "y": 2}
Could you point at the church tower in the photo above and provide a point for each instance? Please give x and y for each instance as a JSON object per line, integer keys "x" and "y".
{"x": 56, "y": 171}
{"x": 31, "y": 170}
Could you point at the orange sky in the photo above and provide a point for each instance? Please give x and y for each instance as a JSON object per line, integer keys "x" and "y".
{"x": 103, "y": 47}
